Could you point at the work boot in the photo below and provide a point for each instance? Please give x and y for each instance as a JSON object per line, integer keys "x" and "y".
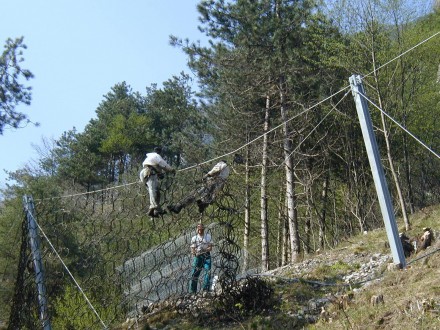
{"x": 175, "y": 208}
{"x": 158, "y": 212}
{"x": 151, "y": 212}
{"x": 202, "y": 206}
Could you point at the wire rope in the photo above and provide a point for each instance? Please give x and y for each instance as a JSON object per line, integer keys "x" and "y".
{"x": 67, "y": 269}
{"x": 401, "y": 126}
{"x": 276, "y": 127}
{"x": 401, "y": 54}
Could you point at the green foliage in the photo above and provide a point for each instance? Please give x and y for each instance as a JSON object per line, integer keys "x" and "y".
{"x": 12, "y": 91}
{"x": 72, "y": 312}
{"x": 118, "y": 140}
{"x": 254, "y": 45}
{"x": 11, "y": 216}
{"x": 176, "y": 121}
{"x": 127, "y": 126}
{"x": 332, "y": 272}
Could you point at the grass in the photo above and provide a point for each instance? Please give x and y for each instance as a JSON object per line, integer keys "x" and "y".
{"x": 410, "y": 297}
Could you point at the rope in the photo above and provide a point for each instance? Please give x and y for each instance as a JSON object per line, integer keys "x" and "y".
{"x": 401, "y": 126}
{"x": 423, "y": 256}
{"x": 68, "y": 271}
{"x": 314, "y": 128}
{"x": 88, "y": 192}
{"x": 276, "y": 127}
{"x": 401, "y": 54}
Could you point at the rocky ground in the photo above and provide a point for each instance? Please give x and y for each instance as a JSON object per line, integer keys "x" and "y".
{"x": 304, "y": 292}
{"x": 360, "y": 270}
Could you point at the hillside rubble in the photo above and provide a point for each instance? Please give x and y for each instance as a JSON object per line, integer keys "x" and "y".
{"x": 363, "y": 270}
{"x": 307, "y": 291}
{"x": 369, "y": 264}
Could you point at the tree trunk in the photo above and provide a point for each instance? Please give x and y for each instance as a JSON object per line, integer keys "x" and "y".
{"x": 436, "y": 5}
{"x": 308, "y": 229}
{"x": 280, "y": 225}
{"x": 281, "y": 229}
{"x": 247, "y": 217}
{"x": 290, "y": 183}
{"x": 309, "y": 213}
{"x": 264, "y": 219}
{"x": 324, "y": 199}
{"x": 406, "y": 165}
{"x": 388, "y": 148}
{"x": 408, "y": 174}
{"x": 285, "y": 247}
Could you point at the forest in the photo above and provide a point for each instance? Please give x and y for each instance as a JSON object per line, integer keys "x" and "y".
{"x": 274, "y": 100}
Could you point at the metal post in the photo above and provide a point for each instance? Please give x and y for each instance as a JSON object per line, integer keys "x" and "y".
{"x": 383, "y": 193}
{"x": 34, "y": 241}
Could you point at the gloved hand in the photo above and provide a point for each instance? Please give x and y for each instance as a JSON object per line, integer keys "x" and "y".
{"x": 160, "y": 175}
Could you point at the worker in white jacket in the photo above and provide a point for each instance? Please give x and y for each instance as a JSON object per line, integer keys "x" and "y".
{"x": 154, "y": 166}
{"x": 214, "y": 181}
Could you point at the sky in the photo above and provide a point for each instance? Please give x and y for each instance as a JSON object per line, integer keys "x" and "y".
{"x": 78, "y": 50}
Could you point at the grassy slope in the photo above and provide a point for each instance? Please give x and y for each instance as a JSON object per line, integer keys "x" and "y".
{"x": 411, "y": 297}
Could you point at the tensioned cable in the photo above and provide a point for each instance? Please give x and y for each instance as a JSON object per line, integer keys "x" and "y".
{"x": 401, "y": 126}
{"x": 89, "y": 192}
{"x": 269, "y": 131}
{"x": 401, "y": 54}
{"x": 424, "y": 256}
{"x": 310, "y": 133}
{"x": 67, "y": 269}
{"x": 314, "y": 128}
{"x": 218, "y": 157}
{"x": 259, "y": 137}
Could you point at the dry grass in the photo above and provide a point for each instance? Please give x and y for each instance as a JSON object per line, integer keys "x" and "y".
{"x": 411, "y": 297}
{"x": 402, "y": 299}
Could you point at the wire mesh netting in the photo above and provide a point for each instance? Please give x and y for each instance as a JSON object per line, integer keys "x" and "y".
{"x": 103, "y": 259}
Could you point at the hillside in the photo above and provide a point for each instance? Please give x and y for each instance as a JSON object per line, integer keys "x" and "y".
{"x": 349, "y": 287}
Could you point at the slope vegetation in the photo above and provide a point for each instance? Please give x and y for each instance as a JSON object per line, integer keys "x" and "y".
{"x": 354, "y": 286}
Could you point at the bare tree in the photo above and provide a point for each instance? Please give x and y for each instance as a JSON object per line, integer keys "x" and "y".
{"x": 247, "y": 213}
{"x": 292, "y": 215}
{"x": 263, "y": 197}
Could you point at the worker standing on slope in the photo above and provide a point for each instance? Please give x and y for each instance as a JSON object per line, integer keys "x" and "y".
{"x": 201, "y": 246}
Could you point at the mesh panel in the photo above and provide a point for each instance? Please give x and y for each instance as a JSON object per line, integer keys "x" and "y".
{"x": 121, "y": 259}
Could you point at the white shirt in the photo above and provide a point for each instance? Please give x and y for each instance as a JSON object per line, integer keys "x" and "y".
{"x": 155, "y": 160}
{"x": 201, "y": 243}
{"x": 221, "y": 170}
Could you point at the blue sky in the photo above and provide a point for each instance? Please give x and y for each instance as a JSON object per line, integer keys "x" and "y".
{"x": 78, "y": 50}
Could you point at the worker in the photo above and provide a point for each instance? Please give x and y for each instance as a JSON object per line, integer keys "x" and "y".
{"x": 201, "y": 247}
{"x": 154, "y": 167}
{"x": 214, "y": 181}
